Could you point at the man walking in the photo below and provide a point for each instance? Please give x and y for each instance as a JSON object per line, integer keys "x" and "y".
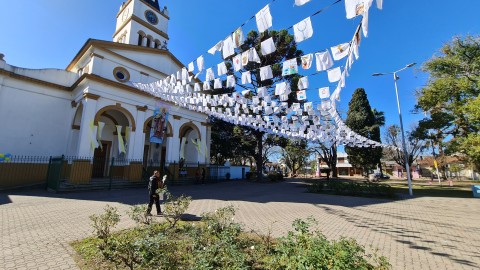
{"x": 154, "y": 184}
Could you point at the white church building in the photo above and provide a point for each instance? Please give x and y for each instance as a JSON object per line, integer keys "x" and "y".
{"x": 92, "y": 113}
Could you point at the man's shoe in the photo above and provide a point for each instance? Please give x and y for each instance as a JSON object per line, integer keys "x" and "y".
{"x": 160, "y": 214}
{"x": 148, "y": 214}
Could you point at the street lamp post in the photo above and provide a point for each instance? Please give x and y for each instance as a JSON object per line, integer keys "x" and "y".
{"x": 407, "y": 166}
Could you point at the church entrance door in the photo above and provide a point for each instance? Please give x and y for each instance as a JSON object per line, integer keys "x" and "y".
{"x": 101, "y": 160}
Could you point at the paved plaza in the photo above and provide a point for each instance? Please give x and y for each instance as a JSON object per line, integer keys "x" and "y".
{"x": 419, "y": 233}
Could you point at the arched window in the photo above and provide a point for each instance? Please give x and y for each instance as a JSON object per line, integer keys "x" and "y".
{"x": 140, "y": 39}
{"x": 148, "y": 42}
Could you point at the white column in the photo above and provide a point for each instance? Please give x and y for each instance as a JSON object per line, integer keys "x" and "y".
{"x": 88, "y": 115}
{"x": 208, "y": 137}
{"x": 173, "y": 144}
{"x": 137, "y": 138}
{"x": 144, "y": 41}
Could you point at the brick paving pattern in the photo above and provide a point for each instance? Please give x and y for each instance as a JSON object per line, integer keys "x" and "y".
{"x": 419, "y": 233}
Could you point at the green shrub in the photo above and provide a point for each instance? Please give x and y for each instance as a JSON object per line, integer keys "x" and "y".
{"x": 175, "y": 207}
{"x": 352, "y": 188}
{"x": 104, "y": 223}
{"x": 251, "y": 175}
{"x": 217, "y": 242}
{"x": 138, "y": 214}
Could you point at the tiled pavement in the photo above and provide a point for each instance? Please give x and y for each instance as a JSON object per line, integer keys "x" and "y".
{"x": 418, "y": 233}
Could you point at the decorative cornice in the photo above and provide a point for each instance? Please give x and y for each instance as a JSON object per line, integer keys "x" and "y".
{"x": 143, "y": 73}
{"x": 205, "y": 124}
{"x": 97, "y": 55}
{"x": 176, "y": 117}
{"x": 76, "y": 127}
{"x": 73, "y": 104}
{"x": 91, "y": 96}
{"x": 33, "y": 80}
{"x": 142, "y": 108}
{"x": 142, "y": 22}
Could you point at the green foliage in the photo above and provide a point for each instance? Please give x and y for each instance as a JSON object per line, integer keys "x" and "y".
{"x": 137, "y": 214}
{"x": 306, "y": 249}
{"x": 295, "y": 154}
{"x": 353, "y": 189}
{"x": 275, "y": 176}
{"x": 451, "y": 96}
{"x": 104, "y": 223}
{"x": 362, "y": 119}
{"x": 175, "y": 207}
{"x": 217, "y": 242}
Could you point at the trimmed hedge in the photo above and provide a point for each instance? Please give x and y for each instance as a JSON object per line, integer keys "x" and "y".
{"x": 353, "y": 189}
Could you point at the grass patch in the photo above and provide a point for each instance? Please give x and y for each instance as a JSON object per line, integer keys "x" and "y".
{"x": 433, "y": 191}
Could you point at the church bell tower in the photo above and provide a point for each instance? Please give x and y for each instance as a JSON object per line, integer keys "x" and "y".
{"x": 142, "y": 23}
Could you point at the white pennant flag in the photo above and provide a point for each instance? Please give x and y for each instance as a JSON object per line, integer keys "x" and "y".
{"x": 303, "y": 83}
{"x": 264, "y": 19}
{"x": 324, "y": 92}
{"x": 303, "y": 30}
{"x": 200, "y": 63}
{"x": 324, "y": 60}
{"x": 268, "y": 46}
{"x": 340, "y": 51}
{"x": 301, "y": 95}
{"x": 301, "y": 2}
{"x": 307, "y": 61}
{"x": 334, "y": 74}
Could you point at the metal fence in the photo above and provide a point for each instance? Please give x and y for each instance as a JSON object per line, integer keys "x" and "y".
{"x": 75, "y": 170}
{"x": 23, "y": 171}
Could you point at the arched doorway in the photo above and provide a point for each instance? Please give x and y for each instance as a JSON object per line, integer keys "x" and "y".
{"x": 189, "y": 135}
{"x": 114, "y": 125}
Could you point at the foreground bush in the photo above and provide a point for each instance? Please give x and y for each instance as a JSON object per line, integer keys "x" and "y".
{"x": 218, "y": 242}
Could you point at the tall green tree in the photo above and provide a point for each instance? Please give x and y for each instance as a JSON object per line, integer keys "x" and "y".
{"x": 295, "y": 154}
{"x": 379, "y": 117}
{"x": 450, "y": 97}
{"x": 361, "y": 119}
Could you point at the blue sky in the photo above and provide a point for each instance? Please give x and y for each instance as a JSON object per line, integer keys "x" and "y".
{"x": 48, "y": 34}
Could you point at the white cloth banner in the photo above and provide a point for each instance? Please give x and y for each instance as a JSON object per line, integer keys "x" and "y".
{"x": 307, "y": 61}
{"x": 266, "y": 73}
{"x": 231, "y": 81}
{"x": 354, "y": 8}
{"x": 268, "y": 46}
{"x": 334, "y": 74}
{"x": 237, "y": 62}
{"x": 238, "y": 38}
{"x": 303, "y": 83}
{"x": 303, "y": 30}
{"x": 121, "y": 144}
{"x": 264, "y": 19}
{"x": 301, "y": 2}
{"x": 324, "y": 92}
{"x": 324, "y": 60}
{"x": 200, "y": 63}
{"x": 246, "y": 77}
{"x": 340, "y": 51}
{"x": 228, "y": 47}
{"x": 221, "y": 69}
{"x": 290, "y": 67}
{"x": 302, "y": 95}
{"x": 209, "y": 75}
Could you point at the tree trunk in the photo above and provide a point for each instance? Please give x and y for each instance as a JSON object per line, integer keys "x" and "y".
{"x": 259, "y": 155}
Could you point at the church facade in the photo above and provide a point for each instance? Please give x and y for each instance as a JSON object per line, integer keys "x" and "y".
{"x": 91, "y": 111}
